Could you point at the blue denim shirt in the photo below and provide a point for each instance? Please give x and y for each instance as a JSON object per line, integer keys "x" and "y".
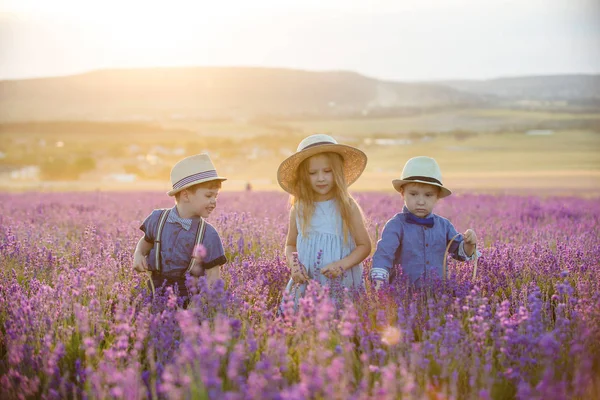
{"x": 178, "y": 243}
{"x": 418, "y": 249}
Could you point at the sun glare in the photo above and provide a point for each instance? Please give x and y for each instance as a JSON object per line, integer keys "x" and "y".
{"x": 143, "y": 33}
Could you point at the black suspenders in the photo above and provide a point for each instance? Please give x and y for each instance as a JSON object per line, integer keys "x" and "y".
{"x": 157, "y": 243}
{"x": 199, "y": 238}
{"x": 161, "y": 222}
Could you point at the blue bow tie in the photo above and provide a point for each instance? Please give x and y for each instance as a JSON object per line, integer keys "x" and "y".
{"x": 413, "y": 219}
{"x": 186, "y": 223}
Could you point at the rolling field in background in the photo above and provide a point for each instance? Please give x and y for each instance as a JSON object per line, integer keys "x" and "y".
{"x": 125, "y": 128}
{"x": 504, "y": 157}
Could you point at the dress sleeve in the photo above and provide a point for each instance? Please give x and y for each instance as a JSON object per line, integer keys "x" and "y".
{"x": 215, "y": 254}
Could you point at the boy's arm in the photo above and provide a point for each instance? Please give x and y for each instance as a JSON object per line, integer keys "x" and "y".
{"x": 146, "y": 242}
{"x": 212, "y": 275}
{"x": 142, "y": 249}
{"x": 387, "y": 246}
{"x": 213, "y": 258}
{"x": 463, "y": 245}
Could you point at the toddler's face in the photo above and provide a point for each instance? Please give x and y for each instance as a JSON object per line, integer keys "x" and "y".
{"x": 420, "y": 198}
{"x": 321, "y": 178}
{"x": 203, "y": 202}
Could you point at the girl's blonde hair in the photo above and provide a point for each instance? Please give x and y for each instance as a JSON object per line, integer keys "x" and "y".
{"x": 304, "y": 200}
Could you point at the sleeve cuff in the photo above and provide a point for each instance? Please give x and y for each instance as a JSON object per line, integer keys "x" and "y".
{"x": 380, "y": 274}
{"x": 215, "y": 263}
{"x": 461, "y": 252}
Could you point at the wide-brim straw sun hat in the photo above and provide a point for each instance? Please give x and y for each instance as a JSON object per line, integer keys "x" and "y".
{"x": 422, "y": 170}
{"x": 193, "y": 170}
{"x": 355, "y": 160}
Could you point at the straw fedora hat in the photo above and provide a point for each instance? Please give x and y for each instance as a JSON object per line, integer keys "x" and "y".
{"x": 191, "y": 171}
{"x": 422, "y": 170}
{"x": 355, "y": 160}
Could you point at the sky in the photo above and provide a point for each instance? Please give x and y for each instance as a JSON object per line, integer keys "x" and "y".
{"x": 402, "y": 40}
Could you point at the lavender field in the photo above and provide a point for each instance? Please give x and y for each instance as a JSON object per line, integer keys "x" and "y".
{"x": 76, "y": 322}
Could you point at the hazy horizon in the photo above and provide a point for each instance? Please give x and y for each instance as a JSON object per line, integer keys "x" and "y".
{"x": 297, "y": 69}
{"x": 387, "y": 40}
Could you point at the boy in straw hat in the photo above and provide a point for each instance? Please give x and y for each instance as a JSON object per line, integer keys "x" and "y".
{"x": 417, "y": 238}
{"x": 173, "y": 236}
{"x": 327, "y": 239}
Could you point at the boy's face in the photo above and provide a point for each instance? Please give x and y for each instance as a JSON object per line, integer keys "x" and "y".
{"x": 420, "y": 198}
{"x": 320, "y": 174}
{"x": 203, "y": 202}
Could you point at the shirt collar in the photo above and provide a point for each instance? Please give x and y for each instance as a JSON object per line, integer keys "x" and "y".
{"x": 174, "y": 218}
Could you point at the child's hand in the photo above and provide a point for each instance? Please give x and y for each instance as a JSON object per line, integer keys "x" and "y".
{"x": 470, "y": 242}
{"x": 299, "y": 274}
{"x": 470, "y": 237}
{"x": 140, "y": 264}
{"x": 377, "y": 284}
{"x": 333, "y": 270}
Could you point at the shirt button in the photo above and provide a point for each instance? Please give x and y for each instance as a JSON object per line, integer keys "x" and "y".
{"x": 427, "y": 245}
{"x": 427, "y": 262}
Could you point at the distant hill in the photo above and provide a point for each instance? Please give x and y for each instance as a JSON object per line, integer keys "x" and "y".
{"x": 235, "y": 92}
{"x": 551, "y": 88}
{"x": 147, "y": 94}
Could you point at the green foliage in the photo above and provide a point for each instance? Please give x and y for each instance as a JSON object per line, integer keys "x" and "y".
{"x": 55, "y": 168}
{"x": 85, "y": 164}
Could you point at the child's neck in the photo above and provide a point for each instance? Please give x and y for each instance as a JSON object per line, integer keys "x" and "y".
{"x": 184, "y": 212}
{"x": 324, "y": 197}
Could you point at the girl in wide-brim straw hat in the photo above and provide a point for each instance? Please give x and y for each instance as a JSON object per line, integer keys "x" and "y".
{"x": 327, "y": 239}
{"x": 354, "y": 160}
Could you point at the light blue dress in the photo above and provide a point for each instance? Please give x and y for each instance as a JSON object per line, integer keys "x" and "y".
{"x": 322, "y": 245}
